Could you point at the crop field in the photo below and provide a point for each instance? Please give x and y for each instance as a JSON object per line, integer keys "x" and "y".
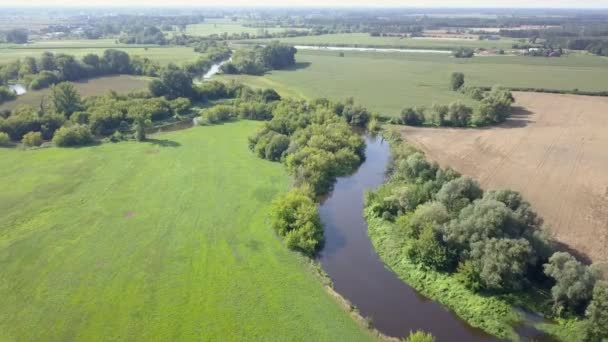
{"x": 364, "y": 39}
{"x": 89, "y": 87}
{"x": 387, "y": 82}
{"x": 161, "y": 240}
{"x": 79, "y": 48}
{"x": 554, "y": 150}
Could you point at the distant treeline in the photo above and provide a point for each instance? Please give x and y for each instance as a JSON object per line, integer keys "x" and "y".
{"x": 49, "y": 68}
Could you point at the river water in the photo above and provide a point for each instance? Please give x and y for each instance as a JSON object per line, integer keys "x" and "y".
{"x": 215, "y": 68}
{"x": 19, "y": 89}
{"x": 359, "y": 275}
{"x": 346, "y": 48}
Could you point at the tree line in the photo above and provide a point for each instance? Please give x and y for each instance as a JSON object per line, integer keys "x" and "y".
{"x": 261, "y": 59}
{"x": 492, "y": 242}
{"x": 49, "y": 68}
{"x": 494, "y": 107}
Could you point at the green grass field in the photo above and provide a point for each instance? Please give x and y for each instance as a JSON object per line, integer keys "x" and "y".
{"x": 121, "y": 84}
{"x": 387, "y": 82}
{"x": 79, "y": 48}
{"x": 165, "y": 240}
{"x": 364, "y": 39}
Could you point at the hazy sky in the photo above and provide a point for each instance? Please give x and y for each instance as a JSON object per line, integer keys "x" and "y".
{"x": 341, "y": 3}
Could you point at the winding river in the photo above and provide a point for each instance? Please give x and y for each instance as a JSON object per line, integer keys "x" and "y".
{"x": 359, "y": 275}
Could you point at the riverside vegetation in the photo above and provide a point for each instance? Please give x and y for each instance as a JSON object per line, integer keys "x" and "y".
{"x": 480, "y": 253}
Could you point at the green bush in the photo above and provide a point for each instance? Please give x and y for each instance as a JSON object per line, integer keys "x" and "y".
{"x": 76, "y": 135}
{"x": 32, "y": 139}
{"x": 294, "y": 217}
{"x": 420, "y": 336}
{"x": 217, "y": 114}
{"x": 6, "y": 94}
{"x": 5, "y": 140}
{"x": 456, "y": 81}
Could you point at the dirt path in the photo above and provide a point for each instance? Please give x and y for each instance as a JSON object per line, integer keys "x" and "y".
{"x": 554, "y": 150}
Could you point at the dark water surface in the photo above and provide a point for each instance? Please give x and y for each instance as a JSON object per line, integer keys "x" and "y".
{"x": 360, "y": 276}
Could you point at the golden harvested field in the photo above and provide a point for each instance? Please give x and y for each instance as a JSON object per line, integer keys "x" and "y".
{"x": 554, "y": 150}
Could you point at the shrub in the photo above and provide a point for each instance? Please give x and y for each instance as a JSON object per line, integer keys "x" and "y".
{"x": 5, "y": 140}
{"x": 456, "y": 81}
{"x": 573, "y": 281}
{"x": 276, "y": 146}
{"x": 6, "y": 94}
{"x": 411, "y": 117}
{"x": 217, "y": 114}
{"x": 420, "y": 336}
{"x": 597, "y": 312}
{"x": 32, "y": 139}
{"x": 294, "y": 217}
{"x": 43, "y": 79}
{"x": 463, "y": 53}
{"x": 24, "y": 119}
{"x": 75, "y": 135}
{"x": 458, "y": 114}
{"x": 428, "y": 249}
{"x": 468, "y": 275}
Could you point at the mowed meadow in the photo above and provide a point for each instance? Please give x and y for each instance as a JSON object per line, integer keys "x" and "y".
{"x": 162, "y": 240}
{"x": 388, "y": 82}
{"x": 80, "y": 48}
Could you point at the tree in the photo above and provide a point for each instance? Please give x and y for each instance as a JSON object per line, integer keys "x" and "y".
{"x": 177, "y": 83}
{"x": 456, "y": 81}
{"x": 276, "y": 146}
{"x": 483, "y": 219}
{"x": 459, "y": 115}
{"x": 32, "y": 139}
{"x": 18, "y": 36}
{"x": 573, "y": 281}
{"x": 411, "y": 117}
{"x": 501, "y": 262}
{"x": 458, "y": 193}
{"x": 47, "y": 61}
{"x": 294, "y": 216}
{"x": 116, "y": 61}
{"x": 141, "y": 121}
{"x": 435, "y": 116}
{"x": 66, "y": 99}
{"x": 597, "y": 313}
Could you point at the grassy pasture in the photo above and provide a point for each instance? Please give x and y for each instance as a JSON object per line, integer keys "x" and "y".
{"x": 387, "y": 82}
{"x": 79, "y": 48}
{"x": 163, "y": 240}
{"x": 89, "y": 87}
{"x": 364, "y": 39}
{"x": 219, "y": 27}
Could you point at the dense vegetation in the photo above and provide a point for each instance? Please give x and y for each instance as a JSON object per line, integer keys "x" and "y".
{"x": 491, "y": 243}
{"x": 6, "y": 94}
{"x": 258, "y": 60}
